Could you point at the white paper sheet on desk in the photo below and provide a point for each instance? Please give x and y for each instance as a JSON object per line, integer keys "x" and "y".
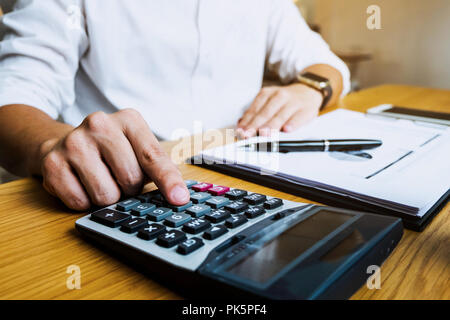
{"x": 408, "y": 173}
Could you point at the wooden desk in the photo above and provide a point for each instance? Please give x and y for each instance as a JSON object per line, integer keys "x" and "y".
{"x": 38, "y": 240}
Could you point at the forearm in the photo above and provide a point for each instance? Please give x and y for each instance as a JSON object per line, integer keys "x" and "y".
{"x": 332, "y": 74}
{"x": 23, "y": 133}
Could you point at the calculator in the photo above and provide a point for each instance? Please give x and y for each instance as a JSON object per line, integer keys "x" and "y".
{"x": 232, "y": 241}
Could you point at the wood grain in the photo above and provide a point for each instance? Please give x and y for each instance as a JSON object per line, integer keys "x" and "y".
{"x": 38, "y": 240}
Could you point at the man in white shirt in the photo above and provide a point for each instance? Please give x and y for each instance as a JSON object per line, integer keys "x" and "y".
{"x": 117, "y": 74}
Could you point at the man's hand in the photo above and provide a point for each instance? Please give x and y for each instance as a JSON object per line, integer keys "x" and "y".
{"x": 105, "y": 155}
{"x": 280, "y": 108}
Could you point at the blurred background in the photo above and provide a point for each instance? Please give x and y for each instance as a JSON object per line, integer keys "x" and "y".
{"x": 412, "y": 47}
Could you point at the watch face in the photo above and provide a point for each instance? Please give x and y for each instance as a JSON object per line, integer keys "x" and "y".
{"x": 314, "y": 77}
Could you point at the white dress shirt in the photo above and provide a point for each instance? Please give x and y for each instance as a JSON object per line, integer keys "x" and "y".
{"x": 177, "y": 62}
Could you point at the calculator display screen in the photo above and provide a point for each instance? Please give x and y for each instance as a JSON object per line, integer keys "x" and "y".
{"x": 266, "y": 262}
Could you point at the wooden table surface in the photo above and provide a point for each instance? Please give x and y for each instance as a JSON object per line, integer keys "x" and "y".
{"x": 38, "y": 240}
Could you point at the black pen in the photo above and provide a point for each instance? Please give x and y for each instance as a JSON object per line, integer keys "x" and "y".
{"x": 314, "y": 145}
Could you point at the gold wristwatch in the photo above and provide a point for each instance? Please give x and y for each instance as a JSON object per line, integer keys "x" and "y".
{"x": 319, "y": 83}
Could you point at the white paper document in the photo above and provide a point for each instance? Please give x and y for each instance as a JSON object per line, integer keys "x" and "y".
{"x": 408, "y": 173}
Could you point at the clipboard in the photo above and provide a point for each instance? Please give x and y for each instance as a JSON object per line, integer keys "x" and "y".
{"x": 382, "y": 183}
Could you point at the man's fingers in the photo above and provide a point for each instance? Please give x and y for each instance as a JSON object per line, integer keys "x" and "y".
{"x": 256, "y": 105}
{"x": 273, "y": 105}
{"x": 60, "y": 181}
{"x": 278, "y": 120}
{"x": 121, "y": 159}
{"x": 152, "y": 158}
{"x": 299, "y": 118}
{"x": 85, "y": 158}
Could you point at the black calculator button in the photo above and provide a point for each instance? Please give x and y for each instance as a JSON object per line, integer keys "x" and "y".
{"x": 215, "y": 232}
{"x": 181, "y": 208}
{"x": 237, "y": 207}
{"x": 110, "y": 218}
{"x": 159, "y": 214}
{"x": 170, "y": 238}
{"x": 151, "y": 232}
{"x": 235, "y": 221}
{"x": 236, "y": 194}
{"x": 177, "y": 219}
{"x": 218, "y": 202}
{"x": 148, "y": 196}
{"x": 195, "y": 226}
{"x": 189, "y": 245}
{"x": 159, "y": 200}
{"x": 133, "y": 225}
{"x": 218, "y": 215}
{"x": 255, "y": 198}
{"x": 273, "y": 203}
{"x": 142, "y": 209}
{"x": 254, "y": 212}
{"x": 126, "y": 205}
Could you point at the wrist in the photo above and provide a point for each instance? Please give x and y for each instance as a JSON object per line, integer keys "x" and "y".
{"x": 314, "y": 97}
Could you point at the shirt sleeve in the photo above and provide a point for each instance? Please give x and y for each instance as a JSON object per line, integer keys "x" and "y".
{"x": 40, "y": 54}
{"x": 292, "y": 46}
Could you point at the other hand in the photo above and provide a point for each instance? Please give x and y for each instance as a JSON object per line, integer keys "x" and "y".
{"x": 281, "y": 108}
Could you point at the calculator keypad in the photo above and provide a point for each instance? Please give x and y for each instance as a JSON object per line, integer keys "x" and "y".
{"x": 212, "y": 212}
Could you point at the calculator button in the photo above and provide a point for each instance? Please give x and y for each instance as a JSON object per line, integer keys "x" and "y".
{"x": 189, "y": 245}
{"x": 273, "y": 203}
{"x": 159, "y": 214}
{"x": 198, "y": 210}
{"x": 195, "y": 226}
{"x": 110, "y": 218}
{"x": 190, "y": 183}
{"x": 201, "y": 187}
{"x": 133, "y": 225}
{"x": 215, "y": 232}
{"x": 218, "y": 190}
{"x": 126, "y": 205}
{"x": 218, "y": 202}
{"x": 218, "y": 215}
{"x": 235, "y": 221}
{"x": 151, "y": 232}
{"x": 236, "y": 194}
{"x": 170, "y": 238}
{"x": 159, "y": 200}
{"x": 177, "y": 219}
{"x": 255, "y": 198}
{"x": 142, "y": 209}
{"x": 147, "y": 197}
{"x": 254, "y": 212}
{"x": 181, "y": 208}
{"x": 200, "y": 197}
{"x": 237, "y": 207}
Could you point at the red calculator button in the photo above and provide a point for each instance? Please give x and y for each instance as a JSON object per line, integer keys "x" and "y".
{"x": 218, "y": 190}
{"x": 201, "y": 187}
